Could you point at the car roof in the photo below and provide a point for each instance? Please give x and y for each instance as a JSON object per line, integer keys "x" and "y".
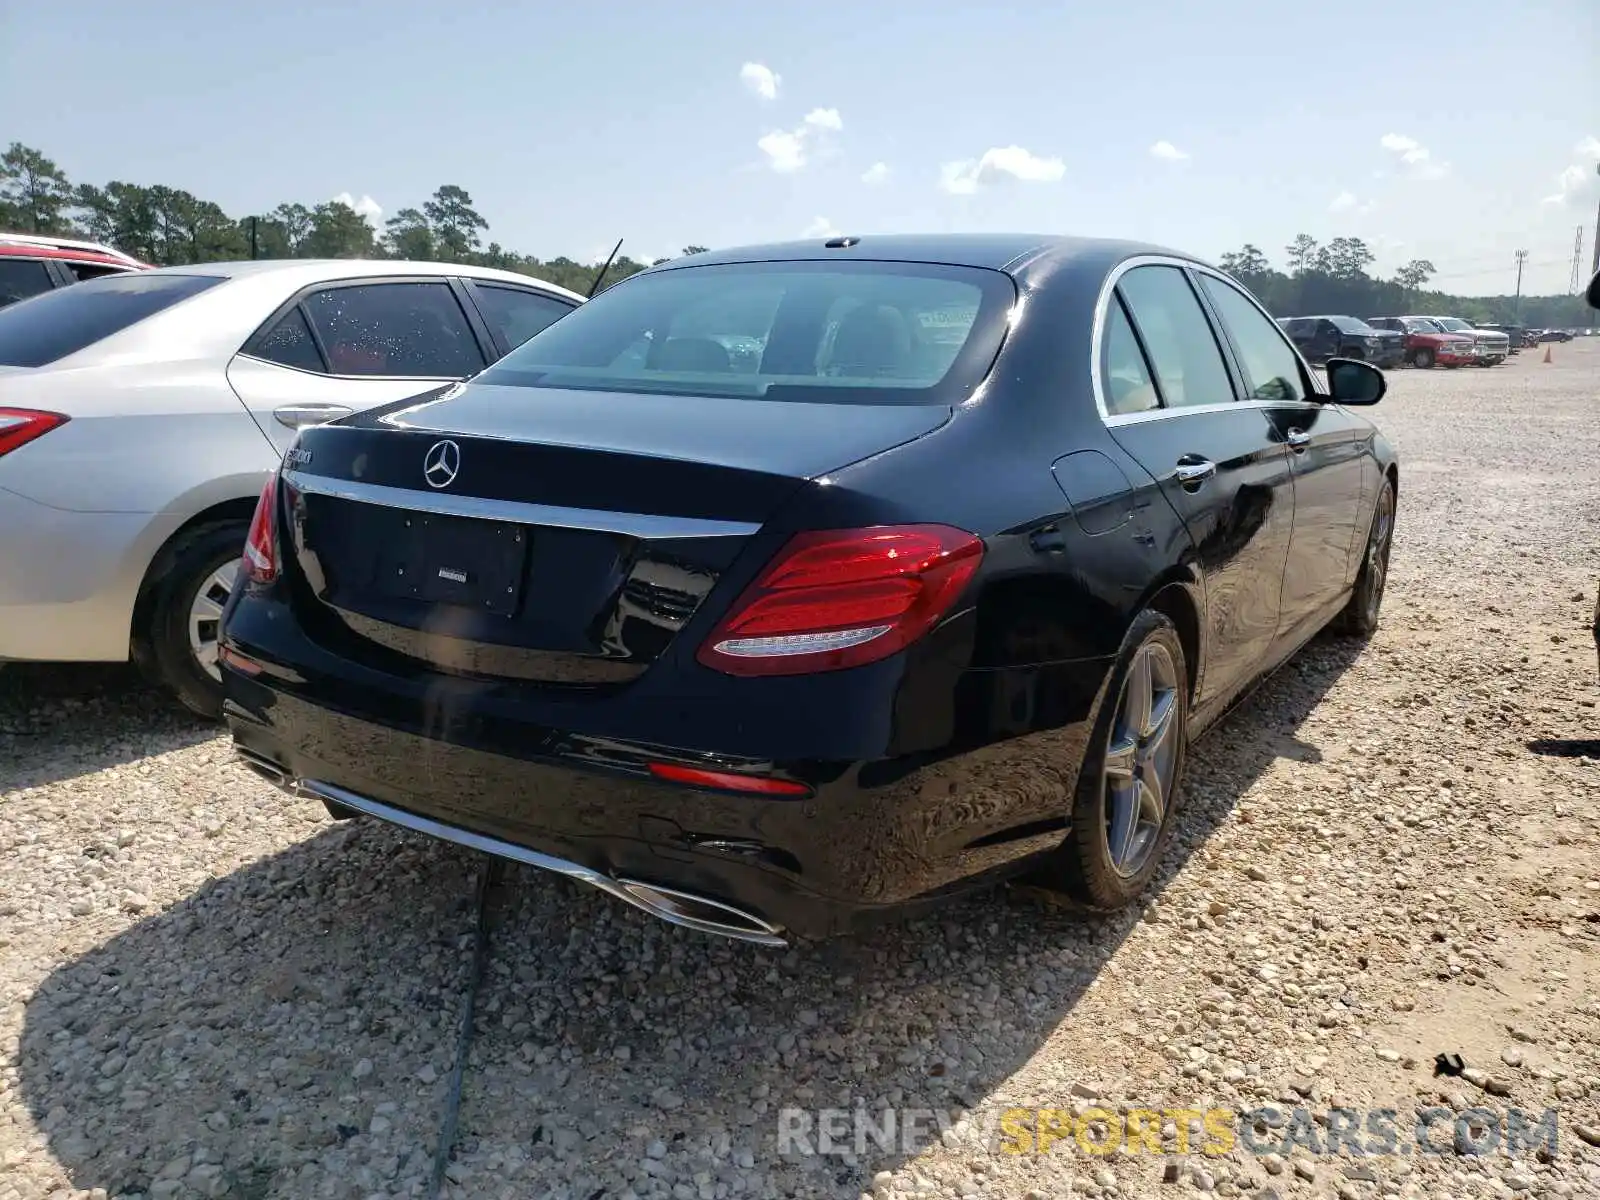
{"x": 1010, "y": 252}
{"x": 302, "y": 272}
{"x": 32, "y": 250}
{"x": 11, "y": 237}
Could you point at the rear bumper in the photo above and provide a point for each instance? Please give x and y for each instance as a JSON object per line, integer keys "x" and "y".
{"x": 875, "y": 835}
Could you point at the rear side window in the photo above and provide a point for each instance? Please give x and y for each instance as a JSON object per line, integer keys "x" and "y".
{"x": 86, "y": 270}
{"x": 858, "y": 332}
{"x": 397, "y": 329}
{"x": 1271, "y": 367}
{"x": 67, "y": 320}
{"x": 1188, "y": 363}
{"x": 1129, "y": 388}
{"x": 289, "y": 343}
{"x": 515, "y": 314}
{"x": 21, "y": 278}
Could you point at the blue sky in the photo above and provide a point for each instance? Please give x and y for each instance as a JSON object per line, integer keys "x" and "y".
{"x": 1439, "y": 131}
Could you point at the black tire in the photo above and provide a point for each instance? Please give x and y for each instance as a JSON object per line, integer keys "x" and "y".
{"x": 1359, "y": 618}
{"x": 1083, "y": 866}
{"x": 166, "y": 653}
{"x": 1422, "y": 357}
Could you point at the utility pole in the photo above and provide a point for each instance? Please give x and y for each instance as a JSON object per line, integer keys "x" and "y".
{"x": 1574, "y": 280}
{"x": 1522, "y": 257}
{"x": 252, "y": 237}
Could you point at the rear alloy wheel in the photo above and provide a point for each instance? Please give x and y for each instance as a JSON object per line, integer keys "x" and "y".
{"x": 1359, "y": 617}
{"x": 185, "y": 614}
{"x": 1422, "y": 357}
{"x": 1122, "y": 815}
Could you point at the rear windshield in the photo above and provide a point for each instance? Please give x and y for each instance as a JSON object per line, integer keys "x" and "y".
{"x": 51, "y": 326}
{"x": 821, "y": 332}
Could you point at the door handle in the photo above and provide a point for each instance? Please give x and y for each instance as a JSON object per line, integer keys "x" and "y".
{"x": 1192, "y": 472}
{"x": 1298, "y": 440}
{"x": 297, "y": 415}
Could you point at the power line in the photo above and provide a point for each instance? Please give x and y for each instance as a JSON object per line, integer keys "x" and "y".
{"x": 1549, "y": 262}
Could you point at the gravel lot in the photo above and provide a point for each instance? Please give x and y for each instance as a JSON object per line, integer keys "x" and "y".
{"x": 206, "y": 989}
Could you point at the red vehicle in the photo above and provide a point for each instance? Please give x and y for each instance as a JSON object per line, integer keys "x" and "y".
{"x": 1428, "y": 343}
{"x": 30, "y": 265}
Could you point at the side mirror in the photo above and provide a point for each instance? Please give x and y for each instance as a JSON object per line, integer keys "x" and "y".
{"x": 1352, "y": 381}
{"x": 1594, "y": 291}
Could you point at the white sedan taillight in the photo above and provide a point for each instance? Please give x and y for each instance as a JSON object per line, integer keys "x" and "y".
{"x": 261, "y": 544}
{"x": 19, "y": 426}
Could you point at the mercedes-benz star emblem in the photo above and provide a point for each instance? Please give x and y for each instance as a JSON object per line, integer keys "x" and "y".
{"x": 440, "y": 464}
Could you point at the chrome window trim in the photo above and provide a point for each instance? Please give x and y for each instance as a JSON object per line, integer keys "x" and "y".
{"x": 1224, "y": 347}
{"x": 516, "y": 512}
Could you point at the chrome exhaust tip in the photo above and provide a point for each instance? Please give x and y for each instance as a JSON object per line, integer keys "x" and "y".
{"x": 264, "y": 767}
{"x": 698, "y": 912}
{"x": 686, "y": 909}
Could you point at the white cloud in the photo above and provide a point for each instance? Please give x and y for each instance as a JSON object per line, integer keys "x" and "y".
{"x": 1408, "y": 148}
{"x": 785, "y": 151}
{"x": 877, "y": 173}
{"x": 820, "y": 227}
{"x": 1347, "y": 202}
{"x": 1167, "y": 152}
{"x": 761, "y": 80}
{"x": 1415, "y": 155}
{"x": 1577, "y": 179}
{"x": 997, "y": 164}
{"x": 788, "y": 150}
{"x": 366, "y": 206}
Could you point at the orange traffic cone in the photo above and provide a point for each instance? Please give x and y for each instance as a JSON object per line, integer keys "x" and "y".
{"x": 1547, "y": 352}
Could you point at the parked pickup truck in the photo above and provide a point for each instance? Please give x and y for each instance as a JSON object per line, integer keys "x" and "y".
{"x": 1516, "y": 333}
{"x": 1489, "y": 345}
{"x": 1427, "y": 344}
{"x": 1321, "y": 338}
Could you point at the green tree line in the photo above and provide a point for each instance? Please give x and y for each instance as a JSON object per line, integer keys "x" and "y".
{"x": 170, "y": 226}
{"x": 1335, "y": 280}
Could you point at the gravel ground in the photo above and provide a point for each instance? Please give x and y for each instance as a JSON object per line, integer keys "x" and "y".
{"x": 206, "y": 989}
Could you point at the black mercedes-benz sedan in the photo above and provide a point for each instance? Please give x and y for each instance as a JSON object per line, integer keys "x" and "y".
{"x": 781, "y": 587}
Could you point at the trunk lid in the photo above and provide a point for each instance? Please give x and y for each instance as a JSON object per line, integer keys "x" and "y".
{"x": 548, "y": 536}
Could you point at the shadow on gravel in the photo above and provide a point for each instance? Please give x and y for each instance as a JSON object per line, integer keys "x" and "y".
{"x": 58, "y": 721}
{"x": 288, "y": 1030}
{"x": 1566, "y": 747}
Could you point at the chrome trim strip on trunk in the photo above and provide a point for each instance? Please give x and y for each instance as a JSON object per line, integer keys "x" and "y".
{"x": 641, "y": 525}
{"x": 675, "y": 907}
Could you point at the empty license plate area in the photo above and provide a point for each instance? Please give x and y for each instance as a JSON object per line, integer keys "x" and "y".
{"x": 450, "y": 560}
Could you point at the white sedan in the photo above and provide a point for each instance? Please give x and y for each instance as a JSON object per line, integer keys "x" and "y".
{"x": 140, "y": 415}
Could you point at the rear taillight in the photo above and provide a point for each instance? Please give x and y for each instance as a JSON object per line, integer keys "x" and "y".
{"x": 19, "y": 426}
{"x": 261, "y": 544}
{"x": 842, "y": 598}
